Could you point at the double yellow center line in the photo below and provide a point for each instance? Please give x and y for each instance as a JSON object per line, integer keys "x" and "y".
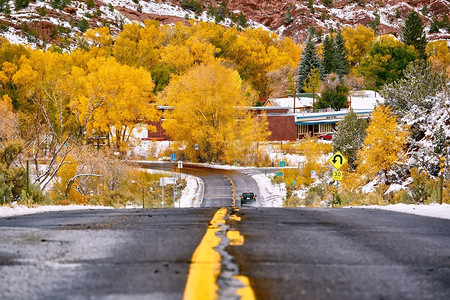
{"x": 206, "y": 263}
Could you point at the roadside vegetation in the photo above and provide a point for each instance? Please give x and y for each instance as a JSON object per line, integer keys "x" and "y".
{"x": 72, "y": 116}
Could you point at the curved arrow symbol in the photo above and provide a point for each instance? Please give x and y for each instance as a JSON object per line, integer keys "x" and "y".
{"x": 335, "y": 157}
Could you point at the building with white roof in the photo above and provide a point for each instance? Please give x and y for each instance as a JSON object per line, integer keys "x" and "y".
{"x": 292, "y": 119}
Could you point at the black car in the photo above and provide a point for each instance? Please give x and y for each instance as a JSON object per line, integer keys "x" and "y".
{"x": 248, "y": 198}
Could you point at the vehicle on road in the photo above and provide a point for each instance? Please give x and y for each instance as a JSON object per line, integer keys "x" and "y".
{"x": 326, "y": 136}
{"x": 248, "y": 198}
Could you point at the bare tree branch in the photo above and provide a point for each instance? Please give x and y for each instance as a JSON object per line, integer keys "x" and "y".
{"x": 72, "y": 181}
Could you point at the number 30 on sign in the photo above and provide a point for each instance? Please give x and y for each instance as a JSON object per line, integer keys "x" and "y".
{"x": 337, "y": 175}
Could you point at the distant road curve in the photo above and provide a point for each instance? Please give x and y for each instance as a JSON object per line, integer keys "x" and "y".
{"x": 218, "y": 191}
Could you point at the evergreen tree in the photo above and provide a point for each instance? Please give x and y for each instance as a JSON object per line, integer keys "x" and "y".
{"x": 417, "y": 89}
{"x": 308, "y": 60}
{"x": 19, "y": 4}
{"x": 413, "y": 33}
{"x": 335, "y": 98}
{"x": 434, "y": 25}
{"x": 341, "y": 63}
{"x": 328, "y": 55}
{"x": 349, "y": 137}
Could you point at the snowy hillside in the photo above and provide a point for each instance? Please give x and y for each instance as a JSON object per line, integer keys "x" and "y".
{"x": 59, "y": 22}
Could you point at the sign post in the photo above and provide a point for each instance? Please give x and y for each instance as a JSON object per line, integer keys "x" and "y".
{"x": 337, "y": 161}
{"x": 162, "y": 183}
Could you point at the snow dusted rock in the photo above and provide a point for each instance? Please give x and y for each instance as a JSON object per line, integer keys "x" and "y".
{"x": 266, "y": 14}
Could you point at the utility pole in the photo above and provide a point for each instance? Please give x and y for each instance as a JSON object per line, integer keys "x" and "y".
{"x": 295, "y": 92}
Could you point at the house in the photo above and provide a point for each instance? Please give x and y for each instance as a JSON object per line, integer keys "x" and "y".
{"x": 292, "y": 119}
{"x": 295, "y": 118}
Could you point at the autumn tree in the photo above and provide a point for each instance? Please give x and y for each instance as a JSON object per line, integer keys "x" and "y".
{"x": 210, "y": 110}
{"x": 357, "y": 41}
{"x": 110, "y": 98}
{"x": 439, "y": 55}
{"x": 12, "y": 179}
{"x": 384, "y": 144}
{"x": 312, "y": 83}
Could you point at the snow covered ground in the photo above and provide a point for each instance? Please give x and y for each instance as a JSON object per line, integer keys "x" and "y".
{"x": 432, "y": 210}
{"x": 270, "y": 195}
{"x": 192, "y": 194}
{"x": 18, "y": 210}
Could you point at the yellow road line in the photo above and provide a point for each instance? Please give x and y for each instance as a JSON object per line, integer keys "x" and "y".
{"x": 206, "y": 263}
{"x": 246, "y": 292}
{"x": 233, "y": 201}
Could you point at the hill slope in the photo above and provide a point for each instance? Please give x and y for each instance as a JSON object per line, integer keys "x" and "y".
{"x": 60, "y": 21}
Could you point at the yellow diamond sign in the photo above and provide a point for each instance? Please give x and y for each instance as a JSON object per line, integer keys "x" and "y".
{"x": 337, "y": 160}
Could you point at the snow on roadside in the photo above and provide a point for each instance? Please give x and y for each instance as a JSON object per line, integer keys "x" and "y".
{"x": 431, "y": 210}
{"x": 192, "y": 194}
{"x": 270, "y": 195}
{"x": 17, "y": 210}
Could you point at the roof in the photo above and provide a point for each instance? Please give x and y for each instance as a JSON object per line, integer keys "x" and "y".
{"x": 364, "y": 99}
{"x": 328, "y": 117}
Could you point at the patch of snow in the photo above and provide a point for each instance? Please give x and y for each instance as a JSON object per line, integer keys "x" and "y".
{"x": 432, "y": 210}
{"x": 192, "y": 194}
{"x": 17, "y": 210}
{"x": 13, "y": 37}
{"x": 369, "y": 188}
{"x": 293, "y": 160}
{"x": 270, "y": 195}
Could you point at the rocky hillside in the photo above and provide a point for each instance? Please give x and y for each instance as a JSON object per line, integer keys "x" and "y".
{"x": 42, "y": 22}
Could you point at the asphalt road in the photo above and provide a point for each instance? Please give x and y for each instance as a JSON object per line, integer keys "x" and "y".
{"x": 218, "y": 190}
{"x": 286, "y": 254}
{"x": 99, "y": 254}
{"x": 343, "y": 254}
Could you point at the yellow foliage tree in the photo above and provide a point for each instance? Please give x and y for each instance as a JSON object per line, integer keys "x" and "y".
{"x": 138, "y": 46}
{"x": 439, "y": 54}
{"x": 384, "y": 145}
{"x": 312, "y": 150}
{"x": 210, "y": 110}
{"x": 357, "y": 41}
{"x": 112, "y": 98}
{"x": 312, "y": 83}
{"x": 9, "y": 126}
{"x": 191, "y": 52}
{"x": 64, "y": 188}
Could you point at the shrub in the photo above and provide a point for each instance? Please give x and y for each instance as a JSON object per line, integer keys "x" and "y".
{"x": 192, "y": 5}
{"x": 19, "y": 4}
{"x": 83, "y": 25}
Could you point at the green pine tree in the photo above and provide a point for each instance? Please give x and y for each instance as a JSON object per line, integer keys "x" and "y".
{"x": 413, "y": 33}
{"x": 308, "y": 61}
{"x": 341, "y": 63}
{"x": 349, "y": 137}
{"x": 328, "y": 55}
{"x": 19, "y": 4}
{"x": 434, "y": 25}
